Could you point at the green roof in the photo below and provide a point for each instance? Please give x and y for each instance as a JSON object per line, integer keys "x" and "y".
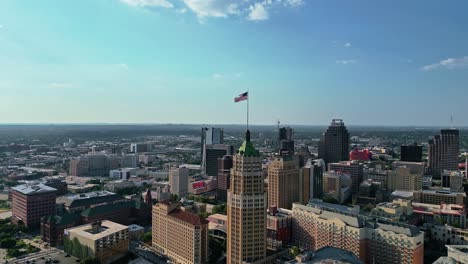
{"x": 247, "y": 149}
{"x": 64, "y": 219}
{"x": 107, "y": 208}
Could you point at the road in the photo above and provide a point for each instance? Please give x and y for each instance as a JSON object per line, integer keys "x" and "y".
{"x": 146, "y": 253}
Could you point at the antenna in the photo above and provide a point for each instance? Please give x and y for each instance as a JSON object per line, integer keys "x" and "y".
{"x": 451, "y": 122}
{"x": 278, "y": 123}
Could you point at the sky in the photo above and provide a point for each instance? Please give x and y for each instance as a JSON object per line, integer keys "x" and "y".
{"x": 304, "y": 62}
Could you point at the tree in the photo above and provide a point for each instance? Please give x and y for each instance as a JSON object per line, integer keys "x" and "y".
{"x": 294, "y": 251}
{"x": 219, "y": 209}
{"x": 90, "y": 260}
{"x": 7, "y": 243}
{"x": 147, "y": 237}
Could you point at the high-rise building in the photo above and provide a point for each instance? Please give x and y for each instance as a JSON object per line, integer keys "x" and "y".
{"x": 178, "y": 180}
{"x": 129, "y": 161}
{"x": 411, "y": 153}
{"x": 406, "y": 176}
{"x": 224, "y": 177}
{"x": 246, "y": 207}
{"x": 181, "y": 236}
{"x": 211, "y": 154}
{"x": 31, "y": 202}
{"x": 453, "y": 180}
{"x": 140, "y": 147}
{"x": 353, "y": 168}
{"x": 316, "y": 227}
{"x": 286, "y": 141}
{"x": 334, "y": 143}
{"x": 337, "y": 185}
{"x": 211, "y": 136}
{"x": 442, "y": 152}
{"x": 79, "y": 166}
{"x": 93, "y": 165}
{"x": 283, "y": 182}
{"x": 311, "y": 180}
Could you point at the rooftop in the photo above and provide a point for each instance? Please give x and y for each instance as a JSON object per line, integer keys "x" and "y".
{"x": 30, "y": 189}
{"x": 192, "y": 219}
{"x": 247, "y": 149}
{"x": 106, "y": 228}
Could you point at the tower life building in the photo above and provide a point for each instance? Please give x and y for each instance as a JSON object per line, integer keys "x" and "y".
{"x": 311, "y": 180}
{"x": 224, "y": 177}
{"x": 442, "y": 152}
{"x": 246, "y": 207}
{"x": 334, "y": 143}
{"x": 283, "y": 183}
{"x": 286, "y": 140}
{"x": 211, "y": 154}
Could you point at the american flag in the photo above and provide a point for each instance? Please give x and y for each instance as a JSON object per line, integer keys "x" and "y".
{"x": 242, "y": 97}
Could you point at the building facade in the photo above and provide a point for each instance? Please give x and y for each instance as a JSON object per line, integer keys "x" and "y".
{"x": 353, "y": 168}
{"x": 211, "y": 155}
{"x": 224, "y": 177}
{"x": 443, "y": 150}
{"x": 411, "y": 153}
{"x": 179, "y": 235}
{"x": 246, "y": 206}
{"x": 334, "y": 143}
{"x": 178, "y": 180}
{"x": 283, "y": 182}
{"x": 286, "y": 141}
{"x": 311, "y": 180}
{"x": 31, "y": 202}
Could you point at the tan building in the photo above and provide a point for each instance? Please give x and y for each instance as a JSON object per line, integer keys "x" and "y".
{"x": 181, "y": 236}
{"x": 439, "y": 196}
{"x": 79, "y": 166}
{"x": 337, "y": 185}
{"x": 107, "y": 241}
{"x": 178, "y": 180}
{"x": 316, "y": 227}
{"x": 283, "y": 183}
{"x": 406, "y": 176}
{"x": 246, "y": 207}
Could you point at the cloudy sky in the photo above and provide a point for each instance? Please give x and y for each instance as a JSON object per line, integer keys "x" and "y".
{"x": 183, "y": 61}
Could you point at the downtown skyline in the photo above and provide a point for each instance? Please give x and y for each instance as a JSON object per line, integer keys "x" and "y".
{"x": 184, "y": 61}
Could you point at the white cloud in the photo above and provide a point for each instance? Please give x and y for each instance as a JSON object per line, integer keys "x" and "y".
{"x": 450, "y": 63}
{"x": 148, "y": 3}
{"x": 212, "y": 8}
{"x": 347, "y": 44}
{"x": 258, "y": 12}
{"x": 346, "y": 62}
{"x": 293, "y": 3}
{"x": 217, "y": 75}
{"x": 59, "y": 85}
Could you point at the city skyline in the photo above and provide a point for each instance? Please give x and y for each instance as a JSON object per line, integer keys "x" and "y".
{"x": 305, "y": 63}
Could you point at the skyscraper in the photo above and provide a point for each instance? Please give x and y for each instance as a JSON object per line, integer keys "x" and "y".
{"x": 178, "y": 180}
{"x": 211, "y": 154}
{"x": 224, "y": 177}
{"x": 286, "y": 140}
{"x": 311, "y": 180}
{"x": 211, "y": 136}
{"x": 353, "y": 168}
{"x": 411, "y": 153}
{"x": 443, "y": 150}
{"x": 246, "y": 206}
{"x": 283, "y": 182}
{"x": 334, "y": 143}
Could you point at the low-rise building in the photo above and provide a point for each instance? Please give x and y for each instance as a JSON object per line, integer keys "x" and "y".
{"x": 452, "y": 214}
{"x": 114, "y": 186}
{"x": 106, "y": 241}
{"x": 279, "y": 228}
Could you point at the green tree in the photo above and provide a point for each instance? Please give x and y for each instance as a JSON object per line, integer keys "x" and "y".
{"x": 7, "y": 243}
{"x": 147, "y": 237}
{"x": 219, "y": 209}
{"x": 294, "y": 251}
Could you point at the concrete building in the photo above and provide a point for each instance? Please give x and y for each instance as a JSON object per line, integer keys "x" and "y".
{"x": 316, "y": 227}
{"x": 353, "y": 168}
{"x": 337, "y": 185}
{"x": 246, "y": 207}
{"x": 210, "y": 136}
{"x": 378, "y": 175}
{"x": 286, "y": 141}
{"x": 140, "y": 147}
{"x": 402, "y": 179}
{"x": 311, "y": 180}
{"x": 452, "y": 214}
{"x": 453, "y": 180}
{"x": 412, "y": 153}
{"x": 443, "y": 150}
{"x": 106, "y": 241}
{"x": 283, "y": 182}
{"x": 129, "y": 161}
{"x": 179, "y": 235}
{"x": 74, "y": 203}
{"x": 114, "y": 186}
{"x": 211, "y": 154}
{"x": 439, "y": 196}
{"x": 334, "y": 143}
{"x": 224, "y": 177}
{"x": 178, "y": 180}
{"x": 93, "y": 165}
{"x": 31, "y": 202}
{"x": 279, "y": 228}
{"x": 79, "y": 166}
{"x": 123, "y": 173}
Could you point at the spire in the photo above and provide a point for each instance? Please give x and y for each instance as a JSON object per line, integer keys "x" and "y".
{"x": 247, "y": 149}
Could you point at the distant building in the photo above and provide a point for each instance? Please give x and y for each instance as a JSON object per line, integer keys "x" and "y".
{"x": 178, "y": 180}
{"x": 210, "y": 136}
{"x": 311, "y": 180}
{"x": 211, "y": 155}
{"x": 129, "y": 161}
{"x": 93, "y": 165}
{"x": 406, "y": 176}
{"x": 440, "y": 196}
{"x": 411, "y": 153}
{"x": 453, "y": 180}
{"x": 58, "y": 184}
{"x": 31, "y": 202}
{"x": 353, "y": 169}
{"x": 122, "y": 173}
{"x": 106, "y": 241}
{"x": 452, "y": 214}
{"x": 140, "y": 147}
{"x": 337, "y": 185}
{"x": 360, "y": 154}
{"x": 443, "y": 152}
{"x": 78, "y": 202}
{"x": 286, "y": 141}
{"x": 181, "y": 236}
{"x": 334, "y": 143}
{"x": 114, "y": 186}
{"x": 224, "y": 177}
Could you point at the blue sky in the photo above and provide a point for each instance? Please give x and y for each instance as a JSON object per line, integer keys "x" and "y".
{"x": 183, "y": 61}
